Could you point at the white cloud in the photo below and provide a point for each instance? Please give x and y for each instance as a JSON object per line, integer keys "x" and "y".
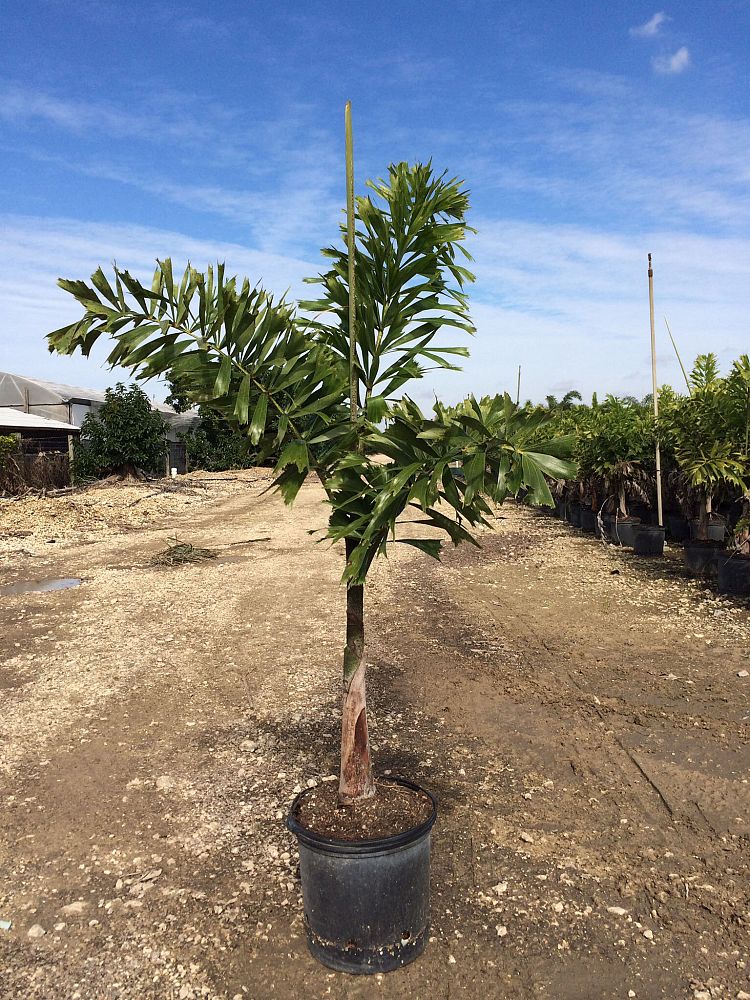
{"x": 650, "y": 28}
{"x": 615, "y": 156}
{"x": 568, "y": 303}
{"x": 224, "y": 135}
{"x": 300, "y": 206}
{"x": 35, "y": 252}
{"x": 31, "y": 107}
{"x": 667, "y": 65}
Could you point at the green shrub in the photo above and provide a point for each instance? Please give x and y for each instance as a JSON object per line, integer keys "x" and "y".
{"x": 124, "y": 437}
{"x": 8, "y": 445}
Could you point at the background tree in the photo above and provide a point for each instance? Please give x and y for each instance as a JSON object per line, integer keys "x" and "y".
{"x": 252, "y": 357}
{"x": 214, "y": 443}
{"x": 123, "y": 437}
{"x": 616, "y": 447}
{"x": 568, "y": 401}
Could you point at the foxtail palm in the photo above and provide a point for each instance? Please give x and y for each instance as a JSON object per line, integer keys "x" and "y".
{"x": 252, "y": 357}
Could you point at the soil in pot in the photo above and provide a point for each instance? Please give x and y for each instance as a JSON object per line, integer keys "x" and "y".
{"x": 624, "y": 529}
{"x": 588, "y": 519}
{"x": 366, "y": 875}
{"x": 649, "y": 540}
{"x": 734, "y": 574}
{"x": 701, "y": 558}
{"x": 393, "y": 809}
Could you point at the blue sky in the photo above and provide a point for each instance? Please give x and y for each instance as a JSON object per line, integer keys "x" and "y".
{"x": 589, "y": 134}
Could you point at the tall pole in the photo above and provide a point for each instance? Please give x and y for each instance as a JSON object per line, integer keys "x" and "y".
{"x": 353, "y": 381}
{"x": 655, "y": 388}
{"x": 518, "y": 388}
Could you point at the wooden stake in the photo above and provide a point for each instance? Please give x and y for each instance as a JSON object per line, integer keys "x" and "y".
{"x": 353, "y": 380}
{"x": 655, "y": 388}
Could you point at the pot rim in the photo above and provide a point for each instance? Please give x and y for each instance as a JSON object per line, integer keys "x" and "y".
{"x": 375, "y": 845}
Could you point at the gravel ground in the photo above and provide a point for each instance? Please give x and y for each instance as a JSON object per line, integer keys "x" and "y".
{"x": 582, "y": 716}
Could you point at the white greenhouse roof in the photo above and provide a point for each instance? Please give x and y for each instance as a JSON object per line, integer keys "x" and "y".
{"x": 17, "y": 419}
{"x": 58, "y": 392}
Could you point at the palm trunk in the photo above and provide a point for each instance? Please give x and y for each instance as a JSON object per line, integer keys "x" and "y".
{"x": 742, "y": 537}
{"x": 623, "y": 501}
{"x": 356, "y": 780}
{"x": 704, "y": 516}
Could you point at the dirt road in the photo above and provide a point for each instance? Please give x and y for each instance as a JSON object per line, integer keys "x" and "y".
{"x": 579, "y": 714}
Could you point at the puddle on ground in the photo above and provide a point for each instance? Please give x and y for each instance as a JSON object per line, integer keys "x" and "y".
{"x": 41, "y": 586}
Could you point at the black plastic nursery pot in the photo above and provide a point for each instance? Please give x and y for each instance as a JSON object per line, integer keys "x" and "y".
{"x": 624, "y": 530}
{"x": 649, "y": 540}
{"x": 560, "y": 509}
{"x": 679, "y": 528}
{"x": 588, "y": 519}
{"x": 367, "y": 902}
{"x": 702, "y": 558}
{"x": 608, "y": 520}
{"x": 716, "y": 530}
{"x": 574, "y": 514}
{"x": 734, "y": 574}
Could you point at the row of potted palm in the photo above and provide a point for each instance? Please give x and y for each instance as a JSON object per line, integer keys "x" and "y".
{"x": 613, "y": 491}
{"x": 703, "y": 435}
{"x": 707, "y": 432}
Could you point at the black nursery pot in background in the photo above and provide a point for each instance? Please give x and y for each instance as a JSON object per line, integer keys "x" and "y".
{"x": 574, "y": 515}
{"x": 716, "y": 530}
{"x": 679, "y": 527}
{"x": 734, "y": 574}
{"x": 367, "y": 903}
{"x": 608, "y": 520}
{"x": 649, "y": 540}
{"x": 624, "y": 530}
{"x": 701, "y": 558}
{"x": 588, "y": 519}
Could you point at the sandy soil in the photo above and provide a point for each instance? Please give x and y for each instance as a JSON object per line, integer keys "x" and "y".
{"x": 579, "y": 713}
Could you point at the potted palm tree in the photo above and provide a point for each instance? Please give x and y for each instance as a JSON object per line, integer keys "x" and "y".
{"x": 734, "y": 564}
{"x": 615, "y": 446}
{"x": 701, "y": 431}
{"x": 334, "y": 386}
